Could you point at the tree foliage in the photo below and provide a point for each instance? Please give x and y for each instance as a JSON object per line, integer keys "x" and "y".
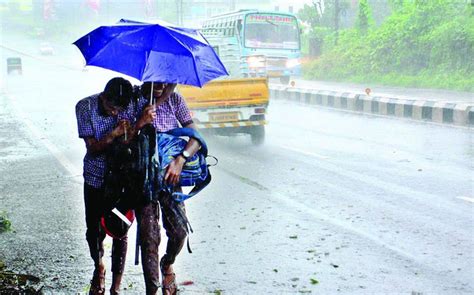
{"x": 309, "y": 13}
{"x": 364, "y": 18}
{"x": 422, "y": 43}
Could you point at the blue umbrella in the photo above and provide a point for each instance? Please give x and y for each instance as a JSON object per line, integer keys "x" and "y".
{"x": 152, "y": 52}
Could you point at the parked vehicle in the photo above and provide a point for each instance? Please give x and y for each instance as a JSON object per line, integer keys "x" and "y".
{"x": 14, "y": 65}
{"x": 46, "y": 49}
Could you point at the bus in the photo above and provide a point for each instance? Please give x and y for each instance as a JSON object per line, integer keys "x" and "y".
{"x": 253, "y": 43}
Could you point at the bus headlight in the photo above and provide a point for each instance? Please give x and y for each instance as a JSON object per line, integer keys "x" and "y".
{"x": 293, "y": 62}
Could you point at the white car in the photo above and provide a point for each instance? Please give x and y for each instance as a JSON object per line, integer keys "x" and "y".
{"x": 46, "y": 49}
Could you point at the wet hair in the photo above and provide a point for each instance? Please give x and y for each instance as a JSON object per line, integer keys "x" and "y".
{"x": 119, "y": 92}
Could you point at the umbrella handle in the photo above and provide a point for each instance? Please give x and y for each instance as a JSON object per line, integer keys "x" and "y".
{"x": 151, "y": 94}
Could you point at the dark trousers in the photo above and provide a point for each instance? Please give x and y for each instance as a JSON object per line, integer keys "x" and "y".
{"x": 95, "y": 235}
{"x": 176, "y": 231}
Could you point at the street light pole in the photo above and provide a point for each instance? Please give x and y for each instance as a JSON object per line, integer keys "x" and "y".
{"x": 179, "y": 12}
{"x": 336, "y": 20}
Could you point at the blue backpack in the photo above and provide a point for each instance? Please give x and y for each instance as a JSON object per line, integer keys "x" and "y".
{"x": 195, "y": 171}
{"x": 152, "y": 152}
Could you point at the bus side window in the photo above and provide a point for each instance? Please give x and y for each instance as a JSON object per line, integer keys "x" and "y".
{"x": 239, "y": 26}
{"x": 238, "y": 30}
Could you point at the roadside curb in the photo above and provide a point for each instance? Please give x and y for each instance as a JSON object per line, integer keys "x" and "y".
{"x": 461, "y": 114}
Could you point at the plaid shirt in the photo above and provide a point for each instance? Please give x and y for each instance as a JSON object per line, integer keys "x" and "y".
{"x": 171, "y": 113}
{"x": 91, "y": 123}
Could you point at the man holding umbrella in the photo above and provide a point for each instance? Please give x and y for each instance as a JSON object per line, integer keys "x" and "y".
{"x": 102, "y": 118}
{"x": 171, "y": 112}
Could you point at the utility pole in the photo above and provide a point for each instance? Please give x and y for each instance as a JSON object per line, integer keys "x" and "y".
{"x": 179, "y": 12}
{"x": 108, "y": 11}
{"x": 181, "y": 21}
{"x": 336, "y": 19}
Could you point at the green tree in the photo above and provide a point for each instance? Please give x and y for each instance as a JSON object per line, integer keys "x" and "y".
{"x": 364, "y": 17}
{"x": 323, "y": 18}
{"x": 396, "y": 5}
{"x": 329, "y": 14}
{"x": 422, "y": 43}
{"x": 310, "y": 15}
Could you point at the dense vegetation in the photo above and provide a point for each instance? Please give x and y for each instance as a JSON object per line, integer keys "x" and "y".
{"x": 421, "y": 43}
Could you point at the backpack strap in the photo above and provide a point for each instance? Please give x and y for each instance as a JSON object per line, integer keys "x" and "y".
{"x": 180, "y": 197}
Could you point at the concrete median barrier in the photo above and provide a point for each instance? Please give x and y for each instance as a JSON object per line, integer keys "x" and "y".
{"x": 461, "y": 114}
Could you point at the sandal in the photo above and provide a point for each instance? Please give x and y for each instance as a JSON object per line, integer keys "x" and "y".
{"x": 97, "y": 283}
{"x": 168, "y": 285}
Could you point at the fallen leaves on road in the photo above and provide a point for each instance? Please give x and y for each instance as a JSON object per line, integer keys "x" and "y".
{"x": 12, "y": 283}
{"x": 5, "y": 224}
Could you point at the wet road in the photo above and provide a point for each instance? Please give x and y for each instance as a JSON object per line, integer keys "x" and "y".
{"x": 333, "y": 202}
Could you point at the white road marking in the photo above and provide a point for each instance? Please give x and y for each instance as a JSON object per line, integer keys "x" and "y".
{"x": 62, "y": 159}
{"x": 304, "y": 152}
{"x": 466, "y": 199}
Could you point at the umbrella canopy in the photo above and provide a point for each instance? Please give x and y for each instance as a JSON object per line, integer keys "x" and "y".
{"x": 152, "y": 52}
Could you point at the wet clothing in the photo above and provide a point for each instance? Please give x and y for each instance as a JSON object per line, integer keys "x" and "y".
{"x": 95, "y": 235}
{"x": 150, "y": 236}
{"x": 171, "y": 113}
{"x": 91, "y": 122}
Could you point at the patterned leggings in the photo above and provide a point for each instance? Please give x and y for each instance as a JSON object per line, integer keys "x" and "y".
{"x": 174, "y": 222}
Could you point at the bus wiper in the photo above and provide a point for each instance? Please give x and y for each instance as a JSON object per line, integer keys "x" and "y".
{"x": 273, "y": 24}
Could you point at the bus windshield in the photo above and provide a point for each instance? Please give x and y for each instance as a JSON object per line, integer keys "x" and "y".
{"x": 271, "y": 31}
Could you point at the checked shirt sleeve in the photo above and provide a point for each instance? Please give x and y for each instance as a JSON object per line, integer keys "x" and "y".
{"x": 141, "y": 104}
{"x": 182, "y": 111}
{"x": 84, "y": 120}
